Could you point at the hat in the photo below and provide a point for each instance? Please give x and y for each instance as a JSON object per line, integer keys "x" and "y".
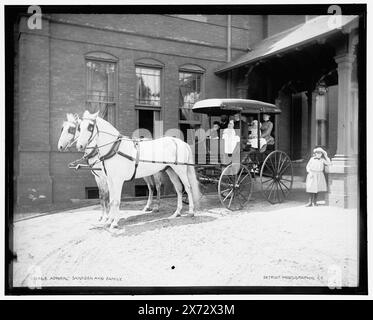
{"x": 319, "y": 149}
{"x": 266, "y": 115}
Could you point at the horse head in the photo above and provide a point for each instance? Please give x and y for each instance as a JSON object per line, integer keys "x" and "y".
{"x": 87, "y": 130}
{"x": 68, "y": 132}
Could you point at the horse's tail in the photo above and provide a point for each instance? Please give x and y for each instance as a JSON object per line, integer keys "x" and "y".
{"x": 194, "y": 184}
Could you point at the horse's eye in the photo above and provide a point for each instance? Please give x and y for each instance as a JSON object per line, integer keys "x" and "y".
{"x": 90, "y": 127}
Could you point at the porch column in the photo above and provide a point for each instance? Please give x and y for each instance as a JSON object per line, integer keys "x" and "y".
{"x": 343, "y": 171}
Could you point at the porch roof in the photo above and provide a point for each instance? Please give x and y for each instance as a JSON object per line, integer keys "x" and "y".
{"x": 302, "y": 34}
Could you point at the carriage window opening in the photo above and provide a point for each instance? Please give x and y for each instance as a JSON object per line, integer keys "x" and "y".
{"x": 101, "y": 88}
{"x": 148, "y": 86}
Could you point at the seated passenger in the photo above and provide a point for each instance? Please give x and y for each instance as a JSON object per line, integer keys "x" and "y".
{"x": 253, "y": 136}
{"x": 214, "y": 132}
{"x": 266, "y": 129}
{"x": 223, "y": 121}
{"x": 230, "y": 138}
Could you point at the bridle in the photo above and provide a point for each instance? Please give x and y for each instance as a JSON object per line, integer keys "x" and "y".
{"x": 71, "y": 130}
{"x": 91, "y": 128}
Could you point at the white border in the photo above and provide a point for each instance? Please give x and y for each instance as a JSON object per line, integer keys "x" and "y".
{"x": 179, "y": 297}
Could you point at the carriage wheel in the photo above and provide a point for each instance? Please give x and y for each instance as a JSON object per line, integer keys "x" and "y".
{"x": 235, "y": 186}
{"x": 276, "y": 177}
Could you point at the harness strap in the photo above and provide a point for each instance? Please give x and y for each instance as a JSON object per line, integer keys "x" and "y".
{"x": 136, "y": 144}
{"x": 113, "y": 151}
{"x": 92, "y": 154}
{"x": 93, "y": 171}
{"x": 176, "y": 151}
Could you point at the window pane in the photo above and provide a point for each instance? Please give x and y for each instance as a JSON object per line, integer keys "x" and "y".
{"x": 189, "y": 94}
{"x": 101, "y": 84}
{"x": 100, "y": 81}
{"x": 148, "y": 86}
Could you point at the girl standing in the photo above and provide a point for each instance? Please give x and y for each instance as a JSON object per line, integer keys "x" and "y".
{"x": 315, "y": 181}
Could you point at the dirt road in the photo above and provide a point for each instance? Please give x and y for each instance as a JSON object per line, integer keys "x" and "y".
{"x": 285, "y": 244}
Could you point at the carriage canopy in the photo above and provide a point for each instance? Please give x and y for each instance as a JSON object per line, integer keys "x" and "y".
{"x": 231, "y": 106}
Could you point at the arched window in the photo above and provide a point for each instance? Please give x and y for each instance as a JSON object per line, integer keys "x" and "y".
{"x": 149, "y": 97}
{"x": 191, "y": 89}
{"x": 148, "y": 82}
{"x": 101, "y": 84}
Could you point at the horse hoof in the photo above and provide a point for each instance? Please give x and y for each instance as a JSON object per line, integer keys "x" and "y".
{"x": 114, "y": 225}
{"x": 175, "y": 215}
{"x": 147, "y": 210}
{"x": 190, "y": 214}
{"x": 156, "y": 210}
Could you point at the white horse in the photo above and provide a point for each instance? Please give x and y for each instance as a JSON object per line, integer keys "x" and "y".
{"x": 137, "y": 159}
{"x": 69, "y": 135}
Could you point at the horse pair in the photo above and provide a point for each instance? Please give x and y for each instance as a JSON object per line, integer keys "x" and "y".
{"x": 122, "y": 159}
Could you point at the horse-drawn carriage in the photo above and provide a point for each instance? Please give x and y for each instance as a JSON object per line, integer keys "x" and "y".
{"x": 230, "y": 165}
{"x": 234, "y": 171}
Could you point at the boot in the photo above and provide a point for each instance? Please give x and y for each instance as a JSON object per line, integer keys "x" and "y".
{"x": 309, "y": 203}
{"x": 314, "y": 202}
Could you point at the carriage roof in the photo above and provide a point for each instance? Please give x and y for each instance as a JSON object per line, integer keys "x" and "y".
{"x": 231, "y": 106}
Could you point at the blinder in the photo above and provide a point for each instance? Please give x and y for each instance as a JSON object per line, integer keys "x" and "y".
{"x": 90, "y": 127}
{"x": 72, "y": 130}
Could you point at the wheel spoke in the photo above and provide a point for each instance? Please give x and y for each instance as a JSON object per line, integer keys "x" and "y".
{"x": 283, "y": 170}
{"x": 225, "y": 190}
{"x": 279, "y": 162}
{"x": 284, "y": 185}
{"x": 239, "y": 182}
{"x": 270, "y": 185}
{"x": 239, "y": 176}
{"x": 272, "y": 188}
{"x": 265, "y": 181}
{"x": 273, "y": 166}
{"x": 230, "y": 201}
{"x": 282, "y": 164}
{"x": 228, "y": 195}
{"x": 283, "y": 192}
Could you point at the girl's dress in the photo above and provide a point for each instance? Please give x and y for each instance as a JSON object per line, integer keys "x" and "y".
{"x": 315, "y": 181}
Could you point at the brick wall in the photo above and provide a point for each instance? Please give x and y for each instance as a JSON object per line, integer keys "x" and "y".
{"x": 279, "y": 23}
{"x": 52, "y": 83}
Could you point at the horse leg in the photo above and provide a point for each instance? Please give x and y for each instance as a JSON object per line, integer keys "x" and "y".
{"x": 115, "y": 189}
{"x": 101, "y": 192}
{"x": 179, "y": 191}
{"x": 149, "y": 183}
{"x": 158, "y": 185}
{"x": 106, "y": 202}
{"x": 182, "y": 172}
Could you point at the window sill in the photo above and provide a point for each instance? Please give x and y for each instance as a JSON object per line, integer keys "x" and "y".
{"x": 147, "y": 107}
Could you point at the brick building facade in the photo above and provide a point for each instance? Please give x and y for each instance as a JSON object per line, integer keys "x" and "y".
{"x": 54, "y": 76}
{"x": 51, "y": 80}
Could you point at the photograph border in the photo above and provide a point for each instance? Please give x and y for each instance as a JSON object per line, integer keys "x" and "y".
{"x": 11, "y": 13}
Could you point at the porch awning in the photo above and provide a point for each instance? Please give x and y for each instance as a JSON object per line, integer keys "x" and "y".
{"x": 302, "y": 34}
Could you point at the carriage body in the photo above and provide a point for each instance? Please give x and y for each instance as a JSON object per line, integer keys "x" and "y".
{"x": 237, "y": 172}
